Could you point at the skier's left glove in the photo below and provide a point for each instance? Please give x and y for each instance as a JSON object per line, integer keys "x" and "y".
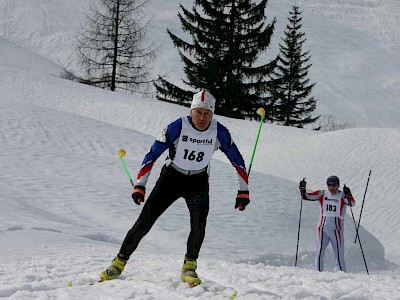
{"x": 346, "y": 191}
{"x": 348, "y": 196}
{"x": 138, "y": 194}
{"x": 242, "y": 200}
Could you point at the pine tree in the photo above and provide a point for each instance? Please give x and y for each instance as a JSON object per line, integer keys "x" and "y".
{"x": 290, "y": 103}
{"x": 111, "y": 49}
{"x": 228, "y": 37}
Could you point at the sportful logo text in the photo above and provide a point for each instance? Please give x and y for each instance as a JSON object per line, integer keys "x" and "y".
{"x": 185, "y": 138}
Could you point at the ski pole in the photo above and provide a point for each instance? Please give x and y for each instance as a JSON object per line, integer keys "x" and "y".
{"x": 359, "y": 241}
{"x": 260, "y": 112}
{"x": 362, "y": 206}
{"x": 298, "y": 231}
{"x": 121, "y": 154}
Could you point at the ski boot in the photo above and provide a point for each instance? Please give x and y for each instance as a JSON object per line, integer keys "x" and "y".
{"x": 189, "y": 274}
{"x": 114, "y": 270}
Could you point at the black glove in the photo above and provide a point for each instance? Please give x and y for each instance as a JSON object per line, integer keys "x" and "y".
{"x": 242, "y": 200}
{"x": 346, "y": 191}
{"x": 302, "y": 184}
{"x": 138, "y": 194}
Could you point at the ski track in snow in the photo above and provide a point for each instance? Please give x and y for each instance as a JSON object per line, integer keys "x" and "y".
{"x": 47, "y": 275}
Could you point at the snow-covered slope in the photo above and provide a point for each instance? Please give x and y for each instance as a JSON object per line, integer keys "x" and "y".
{"x": 66, "y": 208}
{"x": 65, "y": 205}
{"x": 353, "y": 44}
{"x": 65, "y": 201}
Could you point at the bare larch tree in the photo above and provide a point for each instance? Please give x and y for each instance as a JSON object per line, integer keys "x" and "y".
{"x": 112, "y": 53}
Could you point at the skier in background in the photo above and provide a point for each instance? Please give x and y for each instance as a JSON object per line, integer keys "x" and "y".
{"x": 331, "y": 225}
{"x": 191, "y": 141}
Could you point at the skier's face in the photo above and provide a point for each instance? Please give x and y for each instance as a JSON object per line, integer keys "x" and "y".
{"x": 333, "y": 187}
{"x": 201, "y": 118}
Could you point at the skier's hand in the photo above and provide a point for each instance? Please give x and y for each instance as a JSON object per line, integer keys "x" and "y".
{"x": 346, "y": 191}
{"x": 138, "y": 194}
{"x": 302, "y": 185}
{"x": 242, "y": 200}
{"x": 348, "y": 196}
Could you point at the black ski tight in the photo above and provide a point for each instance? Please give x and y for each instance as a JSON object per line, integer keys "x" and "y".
{"x": 170, "y": 186}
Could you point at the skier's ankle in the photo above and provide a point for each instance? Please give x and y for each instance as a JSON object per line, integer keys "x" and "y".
{"x": 123, "y": 256}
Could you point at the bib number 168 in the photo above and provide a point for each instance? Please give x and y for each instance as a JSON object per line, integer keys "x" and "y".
{"x": 193, "y": 155}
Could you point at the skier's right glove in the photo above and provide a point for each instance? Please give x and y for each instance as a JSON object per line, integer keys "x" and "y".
{"x": 138, "y": 194}
{"x": 302, "y": 185}
{"x": 242, "y": 200}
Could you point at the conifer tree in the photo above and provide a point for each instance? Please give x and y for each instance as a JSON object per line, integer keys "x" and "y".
{"x": 228, "y": 37}
{"x": 290, "y": 103}
{"x": 112, "y": 52}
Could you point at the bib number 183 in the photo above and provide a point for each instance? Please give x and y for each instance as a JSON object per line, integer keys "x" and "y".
{"x": 330, "y": 207}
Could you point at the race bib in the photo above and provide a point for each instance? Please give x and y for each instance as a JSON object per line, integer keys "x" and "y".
{"x": 195, "y": 148}
{"x": 331, "y": 204}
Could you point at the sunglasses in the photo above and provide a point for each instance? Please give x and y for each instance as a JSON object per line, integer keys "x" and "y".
{"x": 331, "y": 184}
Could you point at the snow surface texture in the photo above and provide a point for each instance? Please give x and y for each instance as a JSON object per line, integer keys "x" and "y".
{"x": 354, "y": 46}
{"x": 65, "y": 203}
